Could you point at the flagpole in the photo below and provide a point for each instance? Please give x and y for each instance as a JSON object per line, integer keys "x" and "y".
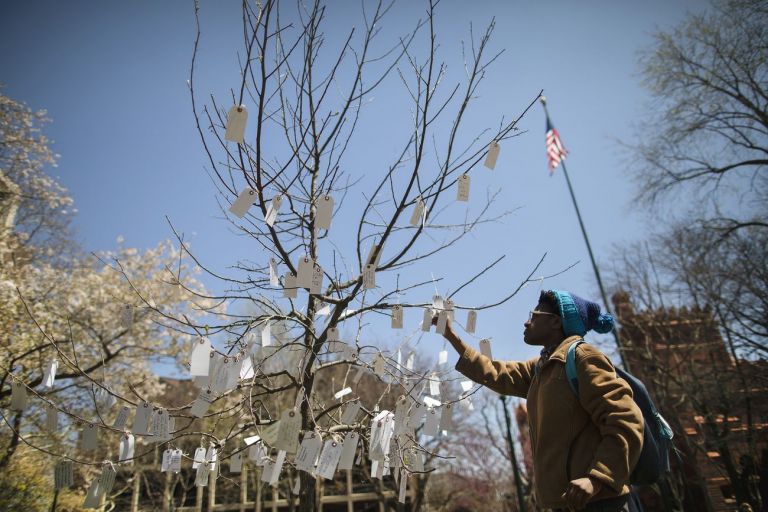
{"x": 589, "y": 247}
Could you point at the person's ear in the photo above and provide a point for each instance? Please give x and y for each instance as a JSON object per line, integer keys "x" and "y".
{"x": 557, "y": 322}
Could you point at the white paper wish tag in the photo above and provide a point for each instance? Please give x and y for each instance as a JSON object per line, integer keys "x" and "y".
{"x": 442, "y": 322}
{"x": 92, "y": 496}
{"x": 324, "y": 212}
{"x": 161, "y": 425}
{"x": 462, "y": 189}
{"x": 378, "y": 365}
{"x": 341, "y": 394}
{"x": 418, "y": 215}
{"x": 493, "y": 155}
{"x": 308, "y": 452}
{"x": 290, "y": 288}
{"x": 203, "y": 402}
{"x": 348, "y": 450}
{"x": 350, "y": 413}
{"x": 266, "y": 335}
{"x": 243, "y": 203}
{"x": 471, "y": 321}
{"x": 397, "y": 317}
{"x": 304, "y": 275}
{"x": 200, "y": 359}
{"x": 316, "y": 286}
{"x": 446, "y": 418}
{"x": 442, "y": 357}
{"x": 127, "y": 316}
{"x": 369, "y": 277}
{"x": 236, "y": 462}
{"x": 121, "y": 420}
{"x": 211, "y": 456}
{"x": 18, "y": 396}
{"x": 236, "y": 118}
{"x": 174, "y": 465}
{"x": 466, "y": 385}
{"x": 202, "y": 475}
{"x": 329, "y": 459}
{"x": 485, "y": 349}
{"x": 434, "y": 384}
{"x": 402, "y": 491}
{"x": 51, "y": 419}
{"x": 50, "y": 373}
{"x": 272, "y": 470}
{"x": 198, "y": 458}
{"x": 258, "y": 454}
{"x": 63, "y": 475}
{"x": 273, "y": 278}
{"x": 416, "y": 415}
{"x": 90, "y": 438}
{"x": 272, "y": 210}
{"x": 432, "y": 423}
{"x": 127, "y": 446}
{"x": 141, "y": 420}
{"x": 288, "y": 435}
{"x": 426, "y": 320}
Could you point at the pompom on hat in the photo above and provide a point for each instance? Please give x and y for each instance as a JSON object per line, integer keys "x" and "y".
{"x": 580, "y": 315}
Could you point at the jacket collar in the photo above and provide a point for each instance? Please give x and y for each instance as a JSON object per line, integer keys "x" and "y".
{"x": 562, "y": 349}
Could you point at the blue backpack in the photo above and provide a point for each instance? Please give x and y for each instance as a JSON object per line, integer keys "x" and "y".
{"x": 657, "y": 436}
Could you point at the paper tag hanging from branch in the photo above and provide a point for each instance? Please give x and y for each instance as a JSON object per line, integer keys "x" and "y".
{"x": 18, "y": 396}
{"x": 199, "y": 360}
{"x": 426, "y": 320}
{"x": 127, "y": 444}
{"x": 471, "y": 321}
{"x": 290, "y": 289}
{"x": 304, "y": 274}
{"x": 324, "y": 212}
{"x": 236, "y": 118}
{"x": 64, "y": 476}
{"x": 485, "y": 348}
{"x": 397, "y": 317}
{"x": 50, "y": 373}
{"x": 273, "y": 279}
{"x": 369, "y": 277}
{"x": 51, "y": 419}
{"x": 316, "y": 285}
{"x": 272, "y": 210}
{"x": 493, "y": 155}
{"x": 462, "y": 190}
{"x": 417, "y": 217}
{"x": 243, "y": 202}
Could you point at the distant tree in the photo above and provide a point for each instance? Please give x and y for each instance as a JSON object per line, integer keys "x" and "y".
{"x": 722, "y": 284}
{"x": 708, "y": 130}
{"x": 60, "y": 305}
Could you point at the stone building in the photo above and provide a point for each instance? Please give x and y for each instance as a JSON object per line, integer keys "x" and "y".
{"x": 715, "y": 401}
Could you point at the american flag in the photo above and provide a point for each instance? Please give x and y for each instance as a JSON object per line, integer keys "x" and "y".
{"x": 556, "y": 152}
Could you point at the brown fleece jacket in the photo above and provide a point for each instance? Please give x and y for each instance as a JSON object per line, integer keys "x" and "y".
{"x": 598, "y": 434}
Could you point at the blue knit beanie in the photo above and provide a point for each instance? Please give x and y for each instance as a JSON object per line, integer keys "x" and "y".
{"x": 580, "y": 315}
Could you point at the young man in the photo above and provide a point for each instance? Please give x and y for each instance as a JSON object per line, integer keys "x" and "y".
{"x": 585, "y": 446}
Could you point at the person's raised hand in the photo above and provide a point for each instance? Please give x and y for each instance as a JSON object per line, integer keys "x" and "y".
{"x": 448, "y": 326}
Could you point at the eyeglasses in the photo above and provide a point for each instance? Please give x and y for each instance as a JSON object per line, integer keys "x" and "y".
{"x": 532, "y": 313}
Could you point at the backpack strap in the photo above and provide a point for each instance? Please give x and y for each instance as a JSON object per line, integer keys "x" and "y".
{"x": 570, "y": 367}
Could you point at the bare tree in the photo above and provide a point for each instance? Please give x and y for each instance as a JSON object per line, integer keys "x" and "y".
{"x": 306, "y": 107}
{"x": 701, "y": 334}
{"x": 263, "y": 346}
{"x": 709, "y": 129}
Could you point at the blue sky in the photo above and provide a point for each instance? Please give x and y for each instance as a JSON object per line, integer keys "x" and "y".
{"x": 112, "y": 76}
